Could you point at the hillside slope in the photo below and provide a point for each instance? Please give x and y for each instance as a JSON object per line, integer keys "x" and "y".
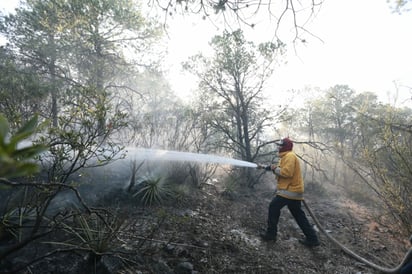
{"x": 215, "y": 231}
{"x": 218, "y": 233}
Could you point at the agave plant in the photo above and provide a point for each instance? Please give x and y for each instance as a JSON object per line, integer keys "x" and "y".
{"x": 152, "y": 190}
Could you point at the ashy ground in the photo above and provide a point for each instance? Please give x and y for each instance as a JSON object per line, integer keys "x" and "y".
{"x": 217, "y": 232}
{"x": 213, "y": 230}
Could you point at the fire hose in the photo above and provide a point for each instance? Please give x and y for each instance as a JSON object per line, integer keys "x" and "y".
{"x": 406, "y": 258}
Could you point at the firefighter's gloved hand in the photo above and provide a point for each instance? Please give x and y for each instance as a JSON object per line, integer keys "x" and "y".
{"x": 259, "y": 166}
{"x": 268, "y": 167}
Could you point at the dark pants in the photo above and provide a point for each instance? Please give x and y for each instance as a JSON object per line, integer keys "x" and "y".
{"x": 407, "y": 269}
{"x": 295, "y": 209}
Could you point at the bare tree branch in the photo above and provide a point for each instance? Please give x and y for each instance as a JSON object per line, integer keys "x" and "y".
{"x": 247, "y": 12}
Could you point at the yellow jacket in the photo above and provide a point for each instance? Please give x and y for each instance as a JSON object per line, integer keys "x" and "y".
{"x": 290, "y": 182}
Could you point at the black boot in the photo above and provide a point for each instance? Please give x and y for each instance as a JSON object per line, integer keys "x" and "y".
{"x": 309, "y": 243}
{"x": 268, "y": 237}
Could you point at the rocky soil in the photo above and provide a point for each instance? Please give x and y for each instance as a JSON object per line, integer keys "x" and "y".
{"x": 214, "y": 231}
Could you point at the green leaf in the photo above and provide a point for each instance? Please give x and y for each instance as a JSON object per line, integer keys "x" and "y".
{"x": 29, "y": 152}
{"x": 29, "y": 127}
{"x": 25, "y": 131}
{"x": 18, "y": 162}
{"x": 4, "y": 130}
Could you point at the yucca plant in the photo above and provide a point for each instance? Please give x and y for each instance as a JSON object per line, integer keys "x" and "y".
{"x": 152, "y": 190}
{"x": 95, "y": 232}
{"x": 11, "y": 222}
{"x": 20, "y": 211}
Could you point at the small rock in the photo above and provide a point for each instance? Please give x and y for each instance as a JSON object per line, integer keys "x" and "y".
{"x": 169, "y": 248}
{"x": 161, "y": 267}
{"x": 184, "y": 268}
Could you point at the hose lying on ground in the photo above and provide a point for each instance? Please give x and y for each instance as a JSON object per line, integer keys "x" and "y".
{"x": 395, "y": 270}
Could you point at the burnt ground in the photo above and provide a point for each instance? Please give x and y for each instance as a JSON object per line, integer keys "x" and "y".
{"x": 213, "y": 231}
{"x": 219, "y": 234}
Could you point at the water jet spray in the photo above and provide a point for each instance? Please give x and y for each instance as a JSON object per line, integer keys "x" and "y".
{"x": 168, "y": 155}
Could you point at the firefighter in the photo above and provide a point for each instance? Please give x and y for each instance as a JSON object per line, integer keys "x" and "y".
{"x": 290, "y": 188}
